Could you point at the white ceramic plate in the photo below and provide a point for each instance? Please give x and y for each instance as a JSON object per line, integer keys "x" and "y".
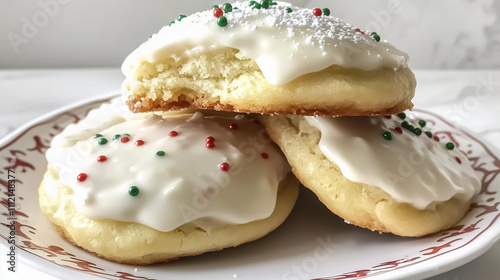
{"x": 312, "y": 244}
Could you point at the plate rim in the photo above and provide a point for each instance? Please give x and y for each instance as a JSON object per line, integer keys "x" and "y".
{"x": 26, "y": 257}
{"x": 7, "y": 139}
{"x": 442, "y": 264}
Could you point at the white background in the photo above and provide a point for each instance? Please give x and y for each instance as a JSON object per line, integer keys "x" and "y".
{"x": 443, "y": 34}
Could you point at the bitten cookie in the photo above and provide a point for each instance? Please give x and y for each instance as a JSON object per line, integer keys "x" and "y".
{"x": 145, "y": 188}
{"x": 385, "y": 174}
{"x": 277, "y": 59}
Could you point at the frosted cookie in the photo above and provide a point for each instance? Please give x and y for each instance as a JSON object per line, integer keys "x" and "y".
{"x": 144, "y": 188}
{"x": 387, "y": 174}
{"x": 268, "y": 57}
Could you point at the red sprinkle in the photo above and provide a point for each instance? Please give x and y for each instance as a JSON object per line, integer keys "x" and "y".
{"x": 210, "y": 145}
{"x": 317, "y": 12}
{"x": 233, "y": 126}
{"x": 359, "y": 30}
{"x": 139, "y": 143}
{"x": 173, "y": 133}
{"x": 399, "y": 130}
{"x": 210, "y": 139}
{"x": 218, "y": 12}
{"x": 81, "y": 177}
{"x": 224, "y": 166}
{"x": 264, "y": 155}
{"x": 458, "y": 160}
{"x": 436, "y": 138}
{"x": 125, "y": 139}
{"x": 101, "y": 158}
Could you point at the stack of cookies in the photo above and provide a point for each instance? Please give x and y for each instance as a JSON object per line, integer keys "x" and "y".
{"x": 224, "y": 110}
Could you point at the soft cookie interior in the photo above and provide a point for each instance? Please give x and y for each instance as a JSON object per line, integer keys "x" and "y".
{"x": 272, "y": 58}
{"x": 222, "y": 79}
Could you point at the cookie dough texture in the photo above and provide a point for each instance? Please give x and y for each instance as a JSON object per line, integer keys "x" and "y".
{"x": 136, "y": 244}
{"x": 362, "y": 205}
{"x": 222, "y": 79}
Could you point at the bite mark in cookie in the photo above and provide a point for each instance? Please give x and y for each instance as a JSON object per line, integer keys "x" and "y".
{"x": 268, "y": 60}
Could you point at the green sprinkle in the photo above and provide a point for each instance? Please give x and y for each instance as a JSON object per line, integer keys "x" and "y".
{"x": 422, "y": 123}
{"x": 172, "y": 22}
{"x": 265, "y": 4}
{"x": 180, "y": 17}
{"x": 222, "y": 21}
{"x": 405, "y": 124}
{"x": 160, "y": 153}
{"x": 227, "y": 8}
{"x": 450, "y": 146}
{"x": 402, "y": 116}
{"x": 411, "y": 128}
{"x": 387, "y": 136}
{"x": 150, "y": 37}
{"x": 116, "y": 136}
{"x": 252, "y": 3}
{"x": 133, "y": 191}
{"x": 288, "y": 10}
{"x": 429, "y": 134}
{"x": 326, "y": 11}
{"x": 214, "y": 7}
{"x": 98, "y": 135}
{"x": 376, "y": 37}
{"x": 102, "y": 141}
{"x": 417, "y": 131}
{"x": 126, "y": 134}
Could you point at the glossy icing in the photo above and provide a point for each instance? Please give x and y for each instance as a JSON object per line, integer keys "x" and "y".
{"x": 412, "y": 168}
{"x": 284, "y": 45}
{"x": 184, "y": 184}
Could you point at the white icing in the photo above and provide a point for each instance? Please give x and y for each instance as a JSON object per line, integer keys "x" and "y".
{"x": 284, "y": 45}
{"x": 186, "y": 185}
{"x": 412, "y": 169}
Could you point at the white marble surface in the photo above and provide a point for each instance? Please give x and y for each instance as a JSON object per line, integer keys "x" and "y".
{"x": 471, "y": 98}
{"x": 446, "y": 34}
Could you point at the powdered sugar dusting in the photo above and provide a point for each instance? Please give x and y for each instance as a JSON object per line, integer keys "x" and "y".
{"x": 285, "y": 41}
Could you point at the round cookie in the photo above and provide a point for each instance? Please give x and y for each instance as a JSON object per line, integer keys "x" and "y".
{"x": 383, "y": 174}
{"x": 146, "y": 188}
{"x": 279, "y": 59}
{"x": 137, "y": 244}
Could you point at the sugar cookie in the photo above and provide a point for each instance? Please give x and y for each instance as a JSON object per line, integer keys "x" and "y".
{"x": 384, "y": 174}
{"x": 279, "y": 59}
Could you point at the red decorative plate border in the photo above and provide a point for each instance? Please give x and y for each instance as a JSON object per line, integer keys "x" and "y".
{"x": 486, "y": 204}
{"x": 24, "y": 152}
